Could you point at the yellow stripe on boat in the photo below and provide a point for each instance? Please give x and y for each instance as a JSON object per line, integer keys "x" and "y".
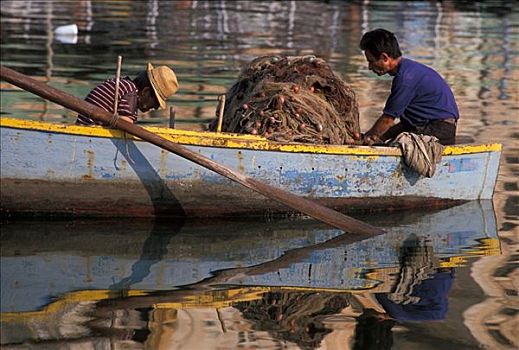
{"x": 229, "y": 140}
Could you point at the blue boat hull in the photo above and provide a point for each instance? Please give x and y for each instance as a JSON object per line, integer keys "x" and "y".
{"x": 54, "y": 173}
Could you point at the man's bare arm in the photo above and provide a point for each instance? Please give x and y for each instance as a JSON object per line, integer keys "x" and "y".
{"x": 383, "y": 123}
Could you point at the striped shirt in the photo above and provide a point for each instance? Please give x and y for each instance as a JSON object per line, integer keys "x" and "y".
{"x": 103, "y": 96}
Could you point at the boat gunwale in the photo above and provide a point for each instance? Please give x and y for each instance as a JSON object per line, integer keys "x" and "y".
{"x": 232, "y": 140}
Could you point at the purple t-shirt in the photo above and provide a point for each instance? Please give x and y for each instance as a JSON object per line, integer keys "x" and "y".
{"x": 419, "y": 94}
{"x": 433, "y": 303}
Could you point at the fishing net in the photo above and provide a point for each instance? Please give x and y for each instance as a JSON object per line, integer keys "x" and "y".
{"x": 292, "y": 99}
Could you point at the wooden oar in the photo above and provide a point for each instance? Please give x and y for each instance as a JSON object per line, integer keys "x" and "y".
{"x": 306, "y": 206}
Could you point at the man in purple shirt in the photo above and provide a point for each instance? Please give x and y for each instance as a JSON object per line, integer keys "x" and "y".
{"x": 419, "y": 96}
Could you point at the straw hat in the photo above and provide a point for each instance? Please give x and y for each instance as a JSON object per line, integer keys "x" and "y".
{"x": 164, "y": 82}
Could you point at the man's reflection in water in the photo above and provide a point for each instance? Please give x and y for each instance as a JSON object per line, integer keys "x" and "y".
{"x": 430, "y": 299}
{"x": 420, "y": 294}
{"x": 422, "y": 288}
{"x": 428, "y": 302}
{"x": 366, "y": 319}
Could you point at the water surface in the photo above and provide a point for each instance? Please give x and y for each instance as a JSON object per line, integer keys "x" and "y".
{"x": 290, "y": 283}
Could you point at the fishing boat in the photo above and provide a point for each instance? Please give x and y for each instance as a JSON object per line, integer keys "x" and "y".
{"x": 51, "y": 169}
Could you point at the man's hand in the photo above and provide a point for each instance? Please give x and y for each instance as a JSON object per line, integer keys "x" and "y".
{"x": 370, "y": 140}
{"x": 383, "y": 123}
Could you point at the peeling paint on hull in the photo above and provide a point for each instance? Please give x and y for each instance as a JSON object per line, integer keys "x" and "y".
{"x": 90, "y": 171}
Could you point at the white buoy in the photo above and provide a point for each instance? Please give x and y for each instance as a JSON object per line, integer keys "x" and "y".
{"x": 69, "y": 29}
{"x": 66, "y": 34}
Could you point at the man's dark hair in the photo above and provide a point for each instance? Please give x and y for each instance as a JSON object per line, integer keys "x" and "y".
{"x": 142, "y": 80}
{"x": 378, "y": 41}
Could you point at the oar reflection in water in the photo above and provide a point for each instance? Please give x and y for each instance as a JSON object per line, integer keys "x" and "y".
{"x": 231, "y": 275}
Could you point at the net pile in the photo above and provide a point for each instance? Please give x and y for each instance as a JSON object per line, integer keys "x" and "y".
{"x": 292, "y": 99}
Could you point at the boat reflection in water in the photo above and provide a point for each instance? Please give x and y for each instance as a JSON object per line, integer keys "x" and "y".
{"x": 294, "y": 283}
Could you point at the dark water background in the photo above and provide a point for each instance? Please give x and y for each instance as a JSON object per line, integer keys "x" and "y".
{"x": 56, "y": 277}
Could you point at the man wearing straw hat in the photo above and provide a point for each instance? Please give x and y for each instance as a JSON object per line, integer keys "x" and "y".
{"x": 149, "y": 90}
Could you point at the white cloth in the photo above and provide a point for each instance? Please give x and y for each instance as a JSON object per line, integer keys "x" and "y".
{"x": 421, "y": 152}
